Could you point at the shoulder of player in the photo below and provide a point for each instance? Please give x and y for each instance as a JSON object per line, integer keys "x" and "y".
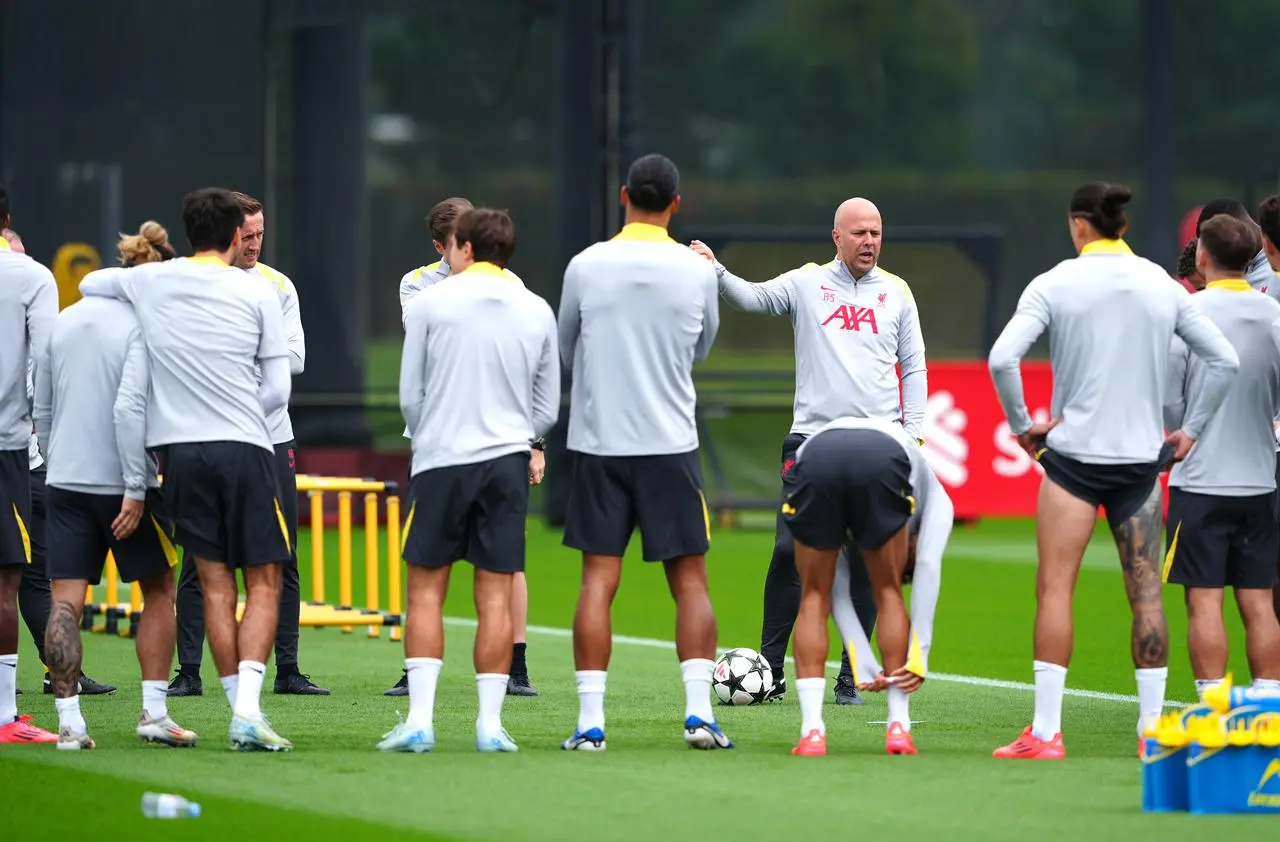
{"x": 275, "y": 276}
{"x": 897, "y": 282}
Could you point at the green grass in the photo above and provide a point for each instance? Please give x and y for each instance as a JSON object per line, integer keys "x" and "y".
{"x": 335, "y": 785}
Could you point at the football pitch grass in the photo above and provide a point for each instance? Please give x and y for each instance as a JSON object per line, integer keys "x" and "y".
{"x": 335, "y": 785}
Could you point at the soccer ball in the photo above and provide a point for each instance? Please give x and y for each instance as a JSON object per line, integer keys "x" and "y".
{"x": 742, "y": 677}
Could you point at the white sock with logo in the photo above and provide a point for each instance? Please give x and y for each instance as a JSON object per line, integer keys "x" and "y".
{"x": 231, "y": 686}
{"x": 1051, "y": 684}
{"x": 423, "y": 674}
{"x": 249, "y": 692}
{"x": 696, "y": 673}
{"x": 591, "y": 684}
{"x": 154, "y": 699}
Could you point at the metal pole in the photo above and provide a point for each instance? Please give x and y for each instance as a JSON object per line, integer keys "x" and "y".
{"x": 1158, "y": 150}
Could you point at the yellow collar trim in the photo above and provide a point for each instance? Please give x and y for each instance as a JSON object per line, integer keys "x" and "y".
{"x": 4, "y": 245}
{"x": 1106, "y": 247}
{"x": 209, "y": 260}
{"x": 643, "y": 232}
{"x": 484, "y": 267}
{"x": 1230, "y": 285}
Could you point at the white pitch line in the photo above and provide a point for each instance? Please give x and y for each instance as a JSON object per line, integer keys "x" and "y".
{"x": 971, "y": 680}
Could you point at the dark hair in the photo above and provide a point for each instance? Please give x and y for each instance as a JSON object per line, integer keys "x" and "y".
{"x": 4, "y": 202}
{"x": 1269, "y": 219}
{"x": 1187, "y": 260}
{"x": 211, "y": 216}
{"x": 444, "y": 216}
{"x": 248, "y": 204}
{"x": 1231, "y": 207}
{"x": 653, "y": 183}
{"x": 1102, "y": 204}
{"x": 1230, "y": 243}
{"x": 491, "y": 233}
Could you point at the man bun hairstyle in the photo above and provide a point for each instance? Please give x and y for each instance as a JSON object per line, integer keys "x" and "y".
{"x": 492, "y": 235}
{"x": 1230, "y": 242}
{"x": 653, "y": 182}
{"x": 149, "y": 245}
{"x": 1102, "y": 205}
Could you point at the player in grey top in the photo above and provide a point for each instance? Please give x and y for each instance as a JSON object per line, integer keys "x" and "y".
{"x": 28, "y": 307}
{"x": 289, "y": 678}
{"x": 207, "y": 331}
{"x": 1112, "y": 316}
{"x": 479, "y": 380}
{"x": 636, "y": 313}
{"x": 1222, "y": 518}
{"x": 91, "y": 409}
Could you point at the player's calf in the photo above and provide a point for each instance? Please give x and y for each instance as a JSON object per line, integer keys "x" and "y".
{"x": 64, "y": 651}
{"x": 695, "y": 646}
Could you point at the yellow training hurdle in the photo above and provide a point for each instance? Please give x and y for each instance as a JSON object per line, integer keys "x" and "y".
{"x": 318, "y": 612}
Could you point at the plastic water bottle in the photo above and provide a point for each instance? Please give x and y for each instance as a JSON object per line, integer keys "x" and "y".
{"x": 162, "y": 805}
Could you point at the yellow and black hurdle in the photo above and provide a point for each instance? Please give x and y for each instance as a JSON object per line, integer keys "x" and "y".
{"x": 112, "y": 616}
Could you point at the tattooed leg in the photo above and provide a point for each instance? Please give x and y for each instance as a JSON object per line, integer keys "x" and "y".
{"x": 1138, "y": 540}
{"x": 62, "y": 642}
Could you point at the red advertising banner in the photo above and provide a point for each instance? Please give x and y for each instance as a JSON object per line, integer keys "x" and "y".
{"x": 968, "y": 443}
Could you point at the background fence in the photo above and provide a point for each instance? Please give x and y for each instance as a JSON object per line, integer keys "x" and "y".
{"x": 969, "y": 122}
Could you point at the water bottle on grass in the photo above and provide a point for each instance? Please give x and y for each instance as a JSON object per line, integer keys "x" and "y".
{"x": 162, "y": 805}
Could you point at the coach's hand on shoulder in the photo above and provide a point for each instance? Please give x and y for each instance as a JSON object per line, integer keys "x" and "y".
{"x": 537, "y": 467}
{"x": 1033, "y": 439}
{"x": 703, "y": 249}
{"x": 127, "y": 521}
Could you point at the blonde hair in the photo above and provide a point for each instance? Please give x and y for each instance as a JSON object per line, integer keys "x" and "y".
{"x": 149, "y": 245}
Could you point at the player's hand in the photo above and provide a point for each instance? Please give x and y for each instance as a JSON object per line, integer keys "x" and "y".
{"x": 1182, "y": 444}
{"x": 703, "y": 249}
{"x": 1033, "y": 439}
{"x": 537, "y": 467}
{"x": 877, "y": 685}
{"x": 127, "y": 521}
{"x": 906, "y": 680}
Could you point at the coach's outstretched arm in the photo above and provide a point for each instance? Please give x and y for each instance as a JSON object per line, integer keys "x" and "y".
{"x": 546, "y": 381}
{"x": 1175, "y": 396}
{"x": 130, "y": 414}
{"x": 1222, "y": 363}
{"x": 774, "y": 298}
{"x": 1005, "y": 360}
{"x": 413, "y": 361}
{"x": 914, "y": 372}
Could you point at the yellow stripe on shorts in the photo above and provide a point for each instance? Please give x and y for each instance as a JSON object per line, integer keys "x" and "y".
{"x": 22, "y": 530}
{"x": 706, "y": 513}
{"x": 284, "y": 527}
{"x": 1168, "y": 558}
{"x": 166, "y": 545}
{"x": 408, "y": 523}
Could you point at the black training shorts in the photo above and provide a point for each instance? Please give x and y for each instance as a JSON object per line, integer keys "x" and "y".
{"x": 78, "y": 535}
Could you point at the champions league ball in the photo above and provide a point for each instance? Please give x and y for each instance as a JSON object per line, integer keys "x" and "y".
{"x": 741, "y": 677}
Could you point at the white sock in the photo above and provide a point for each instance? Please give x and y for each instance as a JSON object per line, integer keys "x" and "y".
{"x": 1051, "y": 681}
{"x": 424, "y": 673}
{"x": 590, "y": 699}
{"x": 230, "y": 686}
{"x": 1151, "y": 684}
{"x": 1203, "y": 684}
{"x": 899, "y": 709}
{"x": 8, "y": 688}
{"x": 1271, "y": 685}
{"x": 154, "y": 694}
{"x": 249, "y": 690}
{"x": 810, "y": 691}
{"x": 696, "y": 673}
{"x": 69, "y": 714}
{"x": 492, "y": 689}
